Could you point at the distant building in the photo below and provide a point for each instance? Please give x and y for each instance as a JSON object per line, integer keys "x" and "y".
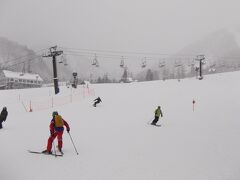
{"x": 19, "y": 80}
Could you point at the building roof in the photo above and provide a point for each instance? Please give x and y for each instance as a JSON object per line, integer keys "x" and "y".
{"x": 20, "y": 75}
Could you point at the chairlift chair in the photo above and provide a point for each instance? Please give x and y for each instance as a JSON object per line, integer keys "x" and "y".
{"x": 94, "y": 62}
{"x": 65, "y": 61}
{"x": 122, "y": 63}
{"x": 144, "y": 63}
{"x": 161, "y": 64}
{"x": 97, "y": 64}
{"x": 178, "y": 64}
{"x": 61, "y": 59}
{"x": 23, "y": 70}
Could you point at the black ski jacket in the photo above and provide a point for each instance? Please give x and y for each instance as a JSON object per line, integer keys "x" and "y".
{"x": 3, "y": 115}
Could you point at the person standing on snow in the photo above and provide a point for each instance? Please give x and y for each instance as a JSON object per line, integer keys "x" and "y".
{"x": 96, "y": 101}
{"x": 3, "y": 116}
{"x": 158, "y": 113}
{"x": 56, "y": 130}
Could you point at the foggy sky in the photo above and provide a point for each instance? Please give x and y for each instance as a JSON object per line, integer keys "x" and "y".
{"x": 160, "y": 26}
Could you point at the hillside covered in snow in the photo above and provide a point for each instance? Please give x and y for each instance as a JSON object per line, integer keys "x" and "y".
{"x": 115, "y": 141}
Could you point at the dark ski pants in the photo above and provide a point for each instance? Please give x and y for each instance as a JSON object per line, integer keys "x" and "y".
{"x": 155, "y": 120}
{"x": 1, "y": 123}
{"x": 95, "y": 103}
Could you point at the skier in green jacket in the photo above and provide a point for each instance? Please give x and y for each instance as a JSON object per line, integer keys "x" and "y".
{"x": 158, "y": 113}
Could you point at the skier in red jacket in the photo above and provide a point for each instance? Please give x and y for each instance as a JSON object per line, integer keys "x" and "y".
{"x": 56, "y": 130}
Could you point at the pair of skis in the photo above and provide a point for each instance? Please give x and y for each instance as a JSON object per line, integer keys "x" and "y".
{"x": 55, "y": 154}
{"x": 156, "y": 125}
{"x": 38, "y": 152}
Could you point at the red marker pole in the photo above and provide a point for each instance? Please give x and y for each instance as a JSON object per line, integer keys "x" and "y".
{"x": 193, "y": 104}
{"x": 30, "y": 109}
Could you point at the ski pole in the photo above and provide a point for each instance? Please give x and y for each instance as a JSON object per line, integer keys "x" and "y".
{"x": 73, "y": 143}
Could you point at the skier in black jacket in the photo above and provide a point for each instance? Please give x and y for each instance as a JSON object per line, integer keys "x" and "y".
{"x": 96, "y": 101}
{"x": 3, "y": 116}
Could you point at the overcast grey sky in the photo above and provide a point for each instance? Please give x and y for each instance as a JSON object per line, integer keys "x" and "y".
{"x": 161, "y": 26}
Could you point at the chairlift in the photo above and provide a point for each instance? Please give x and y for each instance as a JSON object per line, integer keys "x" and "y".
{"x": 161, "y": 64}
{"x": 61, "y": 59}
{"x": 122, "y": 62}
{"x": 178, "y": 64}
{"x": 94, "y": 62}
{"x": 65, "y": 61}
{"x": 97, "y": 64}
{"x": 144, "y": 63}
{"x": 204, "y": 62}
{"x": 23, "y": 70}
{"x": 200, "y": 57}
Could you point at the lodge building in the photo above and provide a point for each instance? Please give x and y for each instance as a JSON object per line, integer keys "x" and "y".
{"x": 19, "y": 80}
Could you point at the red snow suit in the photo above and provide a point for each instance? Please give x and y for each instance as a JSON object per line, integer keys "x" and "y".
{"x": 56, "y": 132}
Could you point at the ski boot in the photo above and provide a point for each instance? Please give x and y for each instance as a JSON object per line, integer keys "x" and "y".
{"x": 60, "y": 149}
{"x": 47, "y": 152}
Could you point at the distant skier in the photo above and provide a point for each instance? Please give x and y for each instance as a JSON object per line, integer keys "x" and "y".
{"x": 3, "y": 116}
{"x": 158, "y": 113}
{"x": 56, "y": 130}
{"x": 96, "y": 101}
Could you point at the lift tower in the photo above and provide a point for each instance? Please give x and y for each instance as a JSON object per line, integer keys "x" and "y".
{"x": 201, "y": 59}
{"x": 54, "y": 53}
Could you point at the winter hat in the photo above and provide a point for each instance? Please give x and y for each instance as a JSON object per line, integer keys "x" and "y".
{"x": 54, "y": 113}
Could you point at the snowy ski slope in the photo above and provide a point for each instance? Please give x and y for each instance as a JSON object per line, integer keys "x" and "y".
{"x": 114, "y": 140}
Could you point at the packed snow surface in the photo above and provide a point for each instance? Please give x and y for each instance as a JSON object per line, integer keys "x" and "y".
{"x": 115, "y": 141}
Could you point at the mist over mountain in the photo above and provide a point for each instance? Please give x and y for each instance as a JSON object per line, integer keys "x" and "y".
{"x": 221, "y": 44}
{"x": 221, "y": 49}
{"x": 19, "y": 58}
